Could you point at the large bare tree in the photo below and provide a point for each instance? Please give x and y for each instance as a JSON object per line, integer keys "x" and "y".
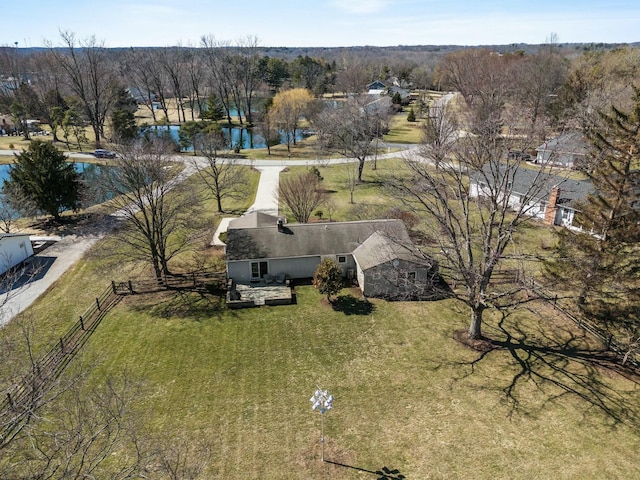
{"x": 222, "y": 174}
{"x": 90, "y": 75}
{"x": 351, "y": 129}
{"x": 302, "y": 194}
{"x": 470, "y": 195}
{"x": 158, "y": 211}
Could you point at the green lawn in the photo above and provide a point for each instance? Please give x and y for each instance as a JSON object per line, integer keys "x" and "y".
{"x": 408, "y": 395}
{"x": 369, "y": 198}
{"x": 542, "y": 403}
{"x": 403, "y": 131}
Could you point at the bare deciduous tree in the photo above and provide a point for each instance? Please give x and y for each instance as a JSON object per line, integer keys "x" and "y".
{"x": 90, "y": 76}
{"x": 224, "y": 177}
{"x": 77, "y": 432}
{"x": 351, "y": 129}
{"x": 159, "y": 212}
{"x": 464, "y": 186}
{"x": 302, "y": 194}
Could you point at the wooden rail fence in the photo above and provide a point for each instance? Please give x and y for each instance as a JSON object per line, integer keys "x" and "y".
{"x": 20, "y": 401}
{"x": 607, "y": 339}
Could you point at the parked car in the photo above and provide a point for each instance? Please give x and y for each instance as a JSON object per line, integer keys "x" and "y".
{"x": 518, "y": 155}
{"x": 102, "y": 153}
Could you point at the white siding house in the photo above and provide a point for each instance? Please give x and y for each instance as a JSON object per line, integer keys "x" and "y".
{"x": 259, "y": 252}
{"x": 553, "y": 199}
{"x": 14, "y": 249}
{"x": 568, "y": 150}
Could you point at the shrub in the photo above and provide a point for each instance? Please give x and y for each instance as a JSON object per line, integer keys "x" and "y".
{"x": 328, "y": 278}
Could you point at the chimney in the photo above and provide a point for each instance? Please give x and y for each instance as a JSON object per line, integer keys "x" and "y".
{"x": 550, "y": 212}
{"x": 280, "y": 224}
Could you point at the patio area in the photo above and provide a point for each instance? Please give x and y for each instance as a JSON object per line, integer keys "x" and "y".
{"x": 246, "y": 296}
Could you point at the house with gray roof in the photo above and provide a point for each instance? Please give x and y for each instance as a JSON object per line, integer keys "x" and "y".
{"x": 387, "y": 268}
{"x": 377, "y": 253}
{"x": 550, "y": 198}
{"x": 569, "y": 150}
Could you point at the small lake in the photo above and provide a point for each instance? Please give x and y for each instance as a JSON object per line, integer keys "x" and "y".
{"x": 91, "y": 171}
{"x": 245, "y": 137}
{"x": 81, "y": 167}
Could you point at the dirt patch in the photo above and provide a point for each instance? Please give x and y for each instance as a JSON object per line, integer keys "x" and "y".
{"x": 478, "y": 344}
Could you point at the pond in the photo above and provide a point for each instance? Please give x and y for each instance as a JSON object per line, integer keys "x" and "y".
{"x": 81, "y": 167}
{"x": 94, "y": 193}
{"x": 246, "y": 138}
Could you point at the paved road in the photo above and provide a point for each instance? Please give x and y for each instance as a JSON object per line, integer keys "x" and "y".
{"x": 55, "y": 260}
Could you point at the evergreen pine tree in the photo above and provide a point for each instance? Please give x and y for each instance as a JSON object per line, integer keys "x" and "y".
{"x": 43, "y": 175}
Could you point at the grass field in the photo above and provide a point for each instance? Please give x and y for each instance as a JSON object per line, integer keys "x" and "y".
{"x": 409, "y": 396}
{"x": 539, "y": 401}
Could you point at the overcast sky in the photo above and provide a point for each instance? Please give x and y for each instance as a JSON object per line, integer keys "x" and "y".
{"x": 329, "y": 23}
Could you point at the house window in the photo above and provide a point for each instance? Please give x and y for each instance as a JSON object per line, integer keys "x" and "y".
{"x": 542, "y": 206}
{"x": 406, "y": 278}
{"x": 259, "y": 269}
{"x": 342, "y": 259}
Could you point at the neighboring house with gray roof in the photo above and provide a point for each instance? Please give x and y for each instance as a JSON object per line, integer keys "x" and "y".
{"x": 550, "y": 198}
{"x": 295, "y": 250}
{"x": 569, "y": 150}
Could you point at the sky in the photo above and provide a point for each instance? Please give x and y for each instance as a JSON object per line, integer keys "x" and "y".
{"x": 323, "y": 23}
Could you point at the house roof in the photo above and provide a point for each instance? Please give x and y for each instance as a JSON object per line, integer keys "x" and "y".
{"x": 571, "y": 190}
{"x": 572, "y": 142}
{"x": 253, "y": 220}
{"x": 379, "y": 248}
{"x": 307, "y": 239}
{"x": 524, "y": 179}
{"x": 9, "y": 235}
{"x": 377, "y": 85}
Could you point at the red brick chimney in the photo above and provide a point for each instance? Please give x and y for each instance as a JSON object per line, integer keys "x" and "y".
{"x": 550, "y": 212}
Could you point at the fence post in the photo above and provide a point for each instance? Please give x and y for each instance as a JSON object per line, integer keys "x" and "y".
{"x": 81, "y": 323}
{"x": 113, "y": 287}
{"x": 98, "y": 303}
{"x": 130, "y": 286}
{"x": 10, "y": 400}
{"x": 61, "y": 346}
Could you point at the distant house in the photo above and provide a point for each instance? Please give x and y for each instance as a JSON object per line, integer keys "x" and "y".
{"x": 376, "y": 88}
{"x": 142, "y": 97}
{"x": 569, "y": 150}
{"x": 378, "y": 253}
{"x": 14, "y": 249}
{"x": 553, "y": 199}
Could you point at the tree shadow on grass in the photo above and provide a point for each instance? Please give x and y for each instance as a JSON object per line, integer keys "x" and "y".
{"x": 179, "y": 304}
{"x": 385, "y": 473}
{"x": 350, "y": 305}
{"x": 566, "y": 359}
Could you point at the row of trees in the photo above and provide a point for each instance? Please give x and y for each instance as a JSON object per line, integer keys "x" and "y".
{"x": 79, "y": 82}
{"x": 86, "y": 78}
